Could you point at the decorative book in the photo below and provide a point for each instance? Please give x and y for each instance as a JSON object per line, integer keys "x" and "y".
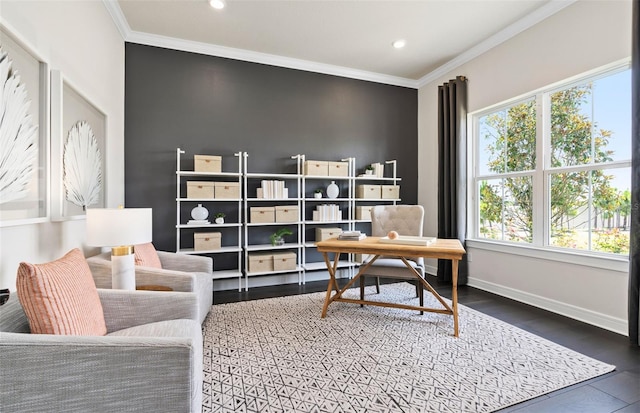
{"x": 352, "y": 236}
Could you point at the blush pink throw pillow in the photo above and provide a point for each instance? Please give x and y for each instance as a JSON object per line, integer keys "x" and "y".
{"x": 60, "y": 297}
{"x": 146, "y": 255}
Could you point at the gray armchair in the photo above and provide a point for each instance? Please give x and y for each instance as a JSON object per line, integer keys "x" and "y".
{"x": 150, "y": 359}
{"x": 180, "y": 272}
{"x": 405, "y": 220}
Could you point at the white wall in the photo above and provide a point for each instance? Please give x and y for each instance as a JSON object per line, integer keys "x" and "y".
{"x": 581, "y": 37}
{"x": 81, "y": 40}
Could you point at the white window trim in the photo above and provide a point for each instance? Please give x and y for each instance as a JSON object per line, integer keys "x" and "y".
{"x": 613, "y": 262}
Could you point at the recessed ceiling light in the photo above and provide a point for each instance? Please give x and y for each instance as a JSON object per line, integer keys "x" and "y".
{"x": 217, "y": 4}
{"x": 399, "y": 44}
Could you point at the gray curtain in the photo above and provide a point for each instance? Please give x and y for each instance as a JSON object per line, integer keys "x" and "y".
{"x": 634, "y": 253}
{"x": 452, "y": 170}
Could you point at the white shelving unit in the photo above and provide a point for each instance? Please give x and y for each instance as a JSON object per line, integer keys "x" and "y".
{"x": 344, "y": 200}
{"x": 184, "y": 206}
{"x": 255, "y": 233}
{"x": 251, "y": 237}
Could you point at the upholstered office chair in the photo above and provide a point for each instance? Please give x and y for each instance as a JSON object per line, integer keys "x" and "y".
{"x": 405, "y": 220}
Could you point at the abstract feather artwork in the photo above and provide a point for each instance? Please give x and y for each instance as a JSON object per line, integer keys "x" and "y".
{"x": 82, "y": 165}
{"x": 18, "y": 135}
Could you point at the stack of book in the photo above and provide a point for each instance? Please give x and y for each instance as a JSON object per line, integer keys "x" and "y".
{"x": 272, "y": 190}
{"x": 198, "y": 222}
{"x": 327, "y": 212}
{"x": 352, "y": 236}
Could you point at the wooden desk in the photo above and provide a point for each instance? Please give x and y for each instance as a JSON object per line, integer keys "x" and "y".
{"x": 152, "y": 287}
{"x": 450, "y": 249}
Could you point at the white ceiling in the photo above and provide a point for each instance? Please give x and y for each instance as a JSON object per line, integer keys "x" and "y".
{"x": 349, "y": 38}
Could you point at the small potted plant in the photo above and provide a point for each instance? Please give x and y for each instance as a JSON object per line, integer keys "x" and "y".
{"x": 317, "y": 193}
{"x": 277, "y": 237}
{"x": 220, "y": 218}
{"x": 368, "y": 170}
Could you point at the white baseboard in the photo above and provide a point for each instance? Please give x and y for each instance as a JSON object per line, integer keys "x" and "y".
{"x": 617, "y": 325}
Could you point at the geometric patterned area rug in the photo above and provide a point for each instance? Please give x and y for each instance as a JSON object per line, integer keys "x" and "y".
{"x": 278, "y": 355}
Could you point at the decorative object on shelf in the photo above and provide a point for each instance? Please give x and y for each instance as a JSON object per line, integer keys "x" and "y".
{"x": 369, "y": 170}
{"x": 199, "y": 213}
{"x": 332, "y": 190}
{"x": 317, "y": 193}
{"x": 277, "y": 237}
{"x": 120, "y": 229}
{"x": 220, "y": 218}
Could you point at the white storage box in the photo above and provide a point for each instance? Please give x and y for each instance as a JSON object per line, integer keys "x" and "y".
{"x": 390, "y": 191}
{"x": 360, "y": 258}
{"x": 363, "y": 213}
{"x": 207, "y": 163}
{"x": 284, "y": 261}
{"x": 316, "y": 168}
{"x": 262, "y": 215}
{"x": 227, "y": 190}
{"x": 207, "y": 241}
{"x": 260, "y": 262}
{"x": 326, "y": 233}
{"x": 287, "y": 213}
{"x": 200, "y": 190}
{"x": 369, "y": 191}
{"x": 339, "y": 168}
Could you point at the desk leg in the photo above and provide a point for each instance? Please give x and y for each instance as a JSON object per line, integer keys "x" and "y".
{"x": 454, "y": 295}
{"x": 332, "y": 280}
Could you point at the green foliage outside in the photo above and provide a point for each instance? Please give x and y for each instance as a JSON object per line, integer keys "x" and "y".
{"x": 506, "y": 205}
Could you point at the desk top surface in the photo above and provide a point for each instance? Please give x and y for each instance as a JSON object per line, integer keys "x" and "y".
{"x": 441, "y": 248}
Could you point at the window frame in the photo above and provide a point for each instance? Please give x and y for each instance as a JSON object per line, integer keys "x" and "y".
{"x": 541, "y": 238}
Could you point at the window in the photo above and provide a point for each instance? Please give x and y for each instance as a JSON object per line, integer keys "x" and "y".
{"x": 554, "y": 169}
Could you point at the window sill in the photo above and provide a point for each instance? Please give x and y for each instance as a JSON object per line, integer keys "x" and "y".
{"x": 607, "y": 262}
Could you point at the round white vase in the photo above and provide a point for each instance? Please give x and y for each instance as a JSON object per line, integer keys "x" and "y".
{"x": 199, "y": 213}
{"x": 220, "y": 220}
{"x": 332, "y": 190}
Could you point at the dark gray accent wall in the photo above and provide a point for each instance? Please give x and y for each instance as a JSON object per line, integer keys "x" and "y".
{"x": 218, "y": 106}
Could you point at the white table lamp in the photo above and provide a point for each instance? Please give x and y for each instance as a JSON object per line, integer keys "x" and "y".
{"x": 120, "y": 229}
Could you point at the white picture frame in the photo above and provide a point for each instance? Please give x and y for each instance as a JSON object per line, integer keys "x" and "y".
{"x": 33, "y": 71}
{"x": 69, "y": 107}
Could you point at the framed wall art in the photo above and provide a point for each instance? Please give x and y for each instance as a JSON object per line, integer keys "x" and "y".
{"x": 78, "y": 152}
{"x": 24, "y": 132}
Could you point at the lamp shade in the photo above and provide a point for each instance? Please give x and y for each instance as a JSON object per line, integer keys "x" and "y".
{"x": 108, "y": 227}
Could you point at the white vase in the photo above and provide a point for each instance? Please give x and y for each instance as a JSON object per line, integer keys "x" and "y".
{"x": 220, "y": 220}
{"x": 199, "y": 213}
{"x": 332, "y": 190}
{"x": 317, "y": 195}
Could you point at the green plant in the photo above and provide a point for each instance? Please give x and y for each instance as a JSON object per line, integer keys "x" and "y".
{"x": 318, "y": 191}
{"x": 279, "y": 234}
{"x": 369, "y": 168}
{"x": 220, "y": 215}
{"x": 612, "y": 241}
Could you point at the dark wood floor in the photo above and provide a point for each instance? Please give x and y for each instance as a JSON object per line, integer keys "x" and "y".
{"x": 618, "y": 391}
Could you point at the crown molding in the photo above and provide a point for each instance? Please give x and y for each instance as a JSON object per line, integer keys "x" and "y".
{"x": 115, "y": 11}
{"x": 148, "y": 39}
{"x": 507, "y": 33}
{"x": 265, "y": 58}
